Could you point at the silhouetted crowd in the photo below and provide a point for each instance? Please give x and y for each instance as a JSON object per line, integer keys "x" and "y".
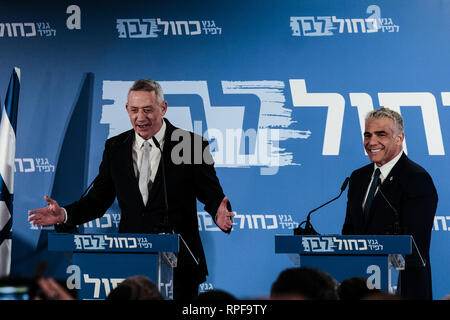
{"x": 301, "y": 283}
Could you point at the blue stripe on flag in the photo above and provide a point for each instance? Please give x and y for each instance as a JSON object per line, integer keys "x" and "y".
{"x": 6, "y": 195}
{"x": 5, "y": 233}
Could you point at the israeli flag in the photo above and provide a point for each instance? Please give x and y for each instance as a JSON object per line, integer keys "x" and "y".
{"x": 8, "y": 126}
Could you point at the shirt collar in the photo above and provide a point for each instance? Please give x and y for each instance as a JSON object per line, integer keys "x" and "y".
{"x": 159, "y": 137}
{"x": 387, "y": 167}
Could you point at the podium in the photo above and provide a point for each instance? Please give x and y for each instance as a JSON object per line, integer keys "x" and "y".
{"x": 376, "y": 258}
{"x": 101, "y": 261}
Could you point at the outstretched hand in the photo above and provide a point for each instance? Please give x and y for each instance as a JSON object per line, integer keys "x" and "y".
{"x": 47, "y": 216}
{"x": 223, "y": 216}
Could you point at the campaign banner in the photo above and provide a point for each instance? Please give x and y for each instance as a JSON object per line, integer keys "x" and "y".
{"x": 279, "y": 89}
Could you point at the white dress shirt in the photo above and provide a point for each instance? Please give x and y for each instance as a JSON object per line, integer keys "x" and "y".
{"x": 155, "y": 154}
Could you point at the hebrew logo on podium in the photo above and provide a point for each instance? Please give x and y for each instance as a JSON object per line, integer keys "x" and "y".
{"x": 105, "y": 260}
{"x": 343, "y": 257}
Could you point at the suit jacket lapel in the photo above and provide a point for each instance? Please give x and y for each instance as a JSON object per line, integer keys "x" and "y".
{"x": 167, "y": 148}
{"x": 389, "y": 187}
{"x": 156, "y": 185}
{"x": 395, "y": 175}
{"x": 367, "y": 176}
{"x": 168, "y": 143}
{"x": 125, "y": 159}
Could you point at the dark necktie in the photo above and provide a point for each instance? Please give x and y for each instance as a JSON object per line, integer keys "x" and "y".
{"x": 371, "y": 193}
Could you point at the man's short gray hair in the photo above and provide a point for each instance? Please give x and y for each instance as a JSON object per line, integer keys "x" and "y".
{"x": 148, "y": 85}
{"x": 387, "y": 113}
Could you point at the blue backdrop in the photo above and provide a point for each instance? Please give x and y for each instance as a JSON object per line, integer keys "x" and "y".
{"x": 279, "y": 88}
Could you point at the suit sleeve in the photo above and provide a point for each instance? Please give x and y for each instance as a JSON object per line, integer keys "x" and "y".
{"x": 99, "y": 198}
{"x": 420, "y": 202}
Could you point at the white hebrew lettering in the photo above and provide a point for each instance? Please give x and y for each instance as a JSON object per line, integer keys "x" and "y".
{"x": 427, "y": 104}
{"x": 96, "y": 283}
{"x": 335, "y": 115}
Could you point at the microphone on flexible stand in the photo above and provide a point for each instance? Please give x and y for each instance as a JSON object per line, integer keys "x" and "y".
{"x": 68, "y": 227}
{"x": 166, "y": 225}
{"x": 309, "y": 230}
{"x": 396, "y": 229}
{"x": 167, "y": 228}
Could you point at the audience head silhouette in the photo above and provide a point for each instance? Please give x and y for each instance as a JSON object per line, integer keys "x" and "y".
{"x": 304, "y": 284}
{"x": 136, "y": 288}
{"x": 354, "y": 288}
{"x": 215, "y": 295}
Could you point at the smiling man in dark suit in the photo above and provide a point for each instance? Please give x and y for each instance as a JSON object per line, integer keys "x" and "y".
{"x": 155, "y": 192}
{"x": 409, "y": 190}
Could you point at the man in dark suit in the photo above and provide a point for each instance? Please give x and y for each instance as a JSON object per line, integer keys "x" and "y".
{"x": 156, "y": 192}
{"x": 410, "y": 204}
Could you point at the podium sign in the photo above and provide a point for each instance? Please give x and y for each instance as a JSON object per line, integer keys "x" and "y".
{"x": 105, "y": 260}
{"x": 343, "y": 257}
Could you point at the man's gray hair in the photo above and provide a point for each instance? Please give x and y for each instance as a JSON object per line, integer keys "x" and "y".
{"x": 148, "y": 85}
{"x": 387, "y": 113}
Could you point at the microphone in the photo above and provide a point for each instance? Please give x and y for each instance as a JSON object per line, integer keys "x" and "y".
{"x": 396, "y": 226}
{"x": 166, "y": 216}
{"x": 163, "y": 171}
{"x": 88, "y": 188}
{"x": 309, "y": 230}
{"x": 68, "y": 227}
